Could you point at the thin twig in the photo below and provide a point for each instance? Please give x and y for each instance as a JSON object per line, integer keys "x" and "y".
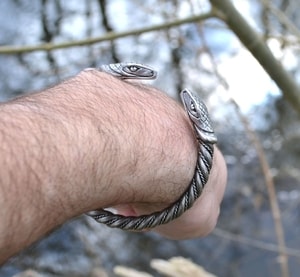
{"x": 108, "y": 28}
{"x": 282, "y": 18}
{"x": 11, "y": 49}
{"x": 281, "y": 248}
{"x": 258, "y": 48}
{"x": 271, "y": 192}
{"x": 253, "y": 242}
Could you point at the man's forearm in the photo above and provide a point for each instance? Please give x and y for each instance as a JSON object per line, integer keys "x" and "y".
{"x": 33, "y": 174}
{"x": 89, "y": 143}
{"x": 46, "y": 145}
{"x": 46, "y": 165}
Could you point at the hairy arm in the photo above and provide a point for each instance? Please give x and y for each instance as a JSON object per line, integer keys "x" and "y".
{"x": 95, "y": 141}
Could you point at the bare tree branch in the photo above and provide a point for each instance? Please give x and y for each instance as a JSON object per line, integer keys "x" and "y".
{"x": 253, "y": 242}
{"x": 255, "y": 44}
{"x": 108, "y": 27}
{"x": 269, "y": 181}
{"x": 11, "y": 49}
{"x": 263, "y": 54}
{"x": 282, "y": 18}
{"x": 281, "y": 247}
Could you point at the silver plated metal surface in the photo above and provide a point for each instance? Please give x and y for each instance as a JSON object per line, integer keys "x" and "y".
{"x": 129, "y": 71}
{"x": 198, "y": 114}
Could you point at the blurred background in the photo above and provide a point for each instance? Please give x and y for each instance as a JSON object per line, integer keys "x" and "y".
{"x": 257, "y": 126}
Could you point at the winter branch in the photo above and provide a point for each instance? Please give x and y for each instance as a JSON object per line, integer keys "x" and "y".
{"x": 12, "y": 50}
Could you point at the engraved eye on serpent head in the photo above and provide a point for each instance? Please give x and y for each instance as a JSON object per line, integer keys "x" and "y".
{"x": 139, "y": 71}
{"x": 198, "y": 114}
{"x": 129, "y": 71}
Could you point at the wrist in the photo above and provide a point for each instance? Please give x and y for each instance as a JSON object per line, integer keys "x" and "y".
{"x": 154, "y": 149}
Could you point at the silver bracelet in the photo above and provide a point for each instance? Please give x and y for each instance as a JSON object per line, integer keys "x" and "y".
{"x": 198, "y": 114}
